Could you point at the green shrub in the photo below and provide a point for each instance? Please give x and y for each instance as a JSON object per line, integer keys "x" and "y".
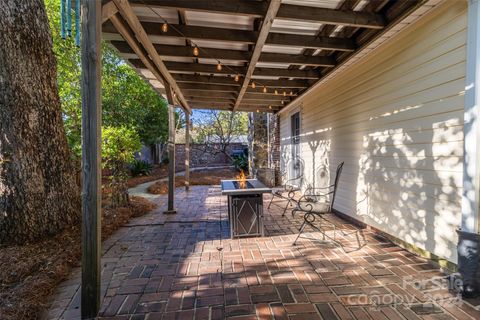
{"x": 140, "y": 168}
{"x": 240, "y": 162}
{"x": 118, "y": 148}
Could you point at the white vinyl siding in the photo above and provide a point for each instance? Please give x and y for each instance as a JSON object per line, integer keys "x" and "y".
{"x": 396, "y": 119}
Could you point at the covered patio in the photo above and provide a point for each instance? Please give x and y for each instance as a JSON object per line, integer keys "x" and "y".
{"x": 265, "y": 57}
{"x": 187, "y": 267}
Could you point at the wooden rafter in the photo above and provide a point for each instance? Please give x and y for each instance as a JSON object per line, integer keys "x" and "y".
{"x": 272, "y": 10}
{"x": 232, "y": 55}
{"x": 182, "y": 67}
{"x": 258, "y": 9}
{"x": 242, "y": 36}
{"x": 331, "y": 16}
{"x": 127, "y": 13}
{"x": 281, "y": 83}
{"x": 109, "y": 9}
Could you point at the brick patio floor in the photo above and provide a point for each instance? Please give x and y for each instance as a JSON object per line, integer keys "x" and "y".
{"x": 184, "y": 266}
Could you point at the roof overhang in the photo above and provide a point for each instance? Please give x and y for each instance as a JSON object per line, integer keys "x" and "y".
{"x": 271, "y": 52}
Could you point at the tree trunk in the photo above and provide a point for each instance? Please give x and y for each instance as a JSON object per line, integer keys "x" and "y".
{"x": 38, "y": 191}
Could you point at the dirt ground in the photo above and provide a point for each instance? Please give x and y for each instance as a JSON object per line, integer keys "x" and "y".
{"x": 197, "y": 178}
{"x": 30, "y": 273}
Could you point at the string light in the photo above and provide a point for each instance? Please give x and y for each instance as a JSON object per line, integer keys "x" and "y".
{"x": 196, "y": 50}
{"x": 291, "y": 92}
{"x": 165, "y": 27}
{"x": 283, "y": 102}
{"x": 284, "y": 93}
{"x": 264, "y": 89}
{"x": 258, "y": 111}
{"x": 270, "y": 107}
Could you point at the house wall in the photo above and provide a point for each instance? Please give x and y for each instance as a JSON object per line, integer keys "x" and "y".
{"x": 396, "y": 119}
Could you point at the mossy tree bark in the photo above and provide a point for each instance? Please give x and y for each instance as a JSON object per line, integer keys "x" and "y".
{"x": 38, "y": 191}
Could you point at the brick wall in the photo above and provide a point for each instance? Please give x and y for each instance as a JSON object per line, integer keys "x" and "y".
{"x": 200, "y": 158}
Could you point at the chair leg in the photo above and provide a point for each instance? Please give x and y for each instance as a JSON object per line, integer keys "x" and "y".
{"x": 300, "y": 232}
{"x": 286, "y": 207}
{"x": 271, "y": 200}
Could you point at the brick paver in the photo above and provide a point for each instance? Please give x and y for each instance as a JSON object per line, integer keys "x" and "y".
{"x": 184, "y": 266}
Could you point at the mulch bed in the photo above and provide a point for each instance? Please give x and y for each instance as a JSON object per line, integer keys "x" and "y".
{"x": 158, "y": 172}
{"x": 197, "y": 178}
{"x": 30, "y": 273}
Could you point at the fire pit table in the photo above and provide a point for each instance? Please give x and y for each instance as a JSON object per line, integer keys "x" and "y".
{"x": 245, "y": 206}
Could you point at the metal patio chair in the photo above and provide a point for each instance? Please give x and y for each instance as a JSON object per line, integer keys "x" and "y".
{"x": 316, "y": 202}
{"x": 289, "y": 188}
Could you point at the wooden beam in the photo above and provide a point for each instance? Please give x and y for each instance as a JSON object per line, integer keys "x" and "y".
{"x": 270, "y": 15}
{"x": 213, "y": 104}
{"x": 201, "y": 33}
{"x": 311, "y": 42}
{"x": 202, "y": 67}
{"x": 233, "y": 55}
{"x": 315, "y": 61}
{"x": 210, "y": 99}
{"x": 187, "y": 151}
{"x": 241, "y": 36}
{"x": 91, "y": 28}
{"x": 127, "y": 13}
{"x": 233, "y": 70}
{"x": 281, "y": 83}
{"x": 235, "y": 7}
{"x": 208, "y": 87}
{"x": 171, "y": 151}
{"x": 108, "y": 10}
{"x": 205, "y": 79}
{"x": 260, "y": 95}
{"x": 331, "y": 16}
{"x": 286, "y": 73}
{"x": 258, "y": 9}
{"x": 189, "y": 94}
{"x": 273, "y": 102}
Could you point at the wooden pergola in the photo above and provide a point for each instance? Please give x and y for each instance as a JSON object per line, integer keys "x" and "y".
{"x": 239, "y": 55}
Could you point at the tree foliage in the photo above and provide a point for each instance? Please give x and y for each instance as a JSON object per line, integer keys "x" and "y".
{"x": 220, "y": 126}
{"x": 127, "y": 99}
{"x": 215, "y": 130}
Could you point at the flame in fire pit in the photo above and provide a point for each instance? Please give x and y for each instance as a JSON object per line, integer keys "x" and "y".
{"x": 242, "y": 180}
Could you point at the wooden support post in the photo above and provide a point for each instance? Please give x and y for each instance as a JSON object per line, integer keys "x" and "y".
{"x": 171, "y": 150}
{"x": 187, "y": 151}
{"x": 471, "y": 171}
{"x": 468, "y": 235}
{"x": 91, "y": 15}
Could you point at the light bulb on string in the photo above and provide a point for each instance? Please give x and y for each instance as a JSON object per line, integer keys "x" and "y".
{"x": 219, "y": 66}
{"x": 276, "y": 92}
{"x": 253, "y": 85}
{"x": 264, "y": 89}
{"x": 291, "y": 93}
{"x": 284, "y": 93}
{"x": 196, "y": 51}
{"x": 270, "y": 107}
{"x": 165, "y": 27}
{"x": 237, "y": 78}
